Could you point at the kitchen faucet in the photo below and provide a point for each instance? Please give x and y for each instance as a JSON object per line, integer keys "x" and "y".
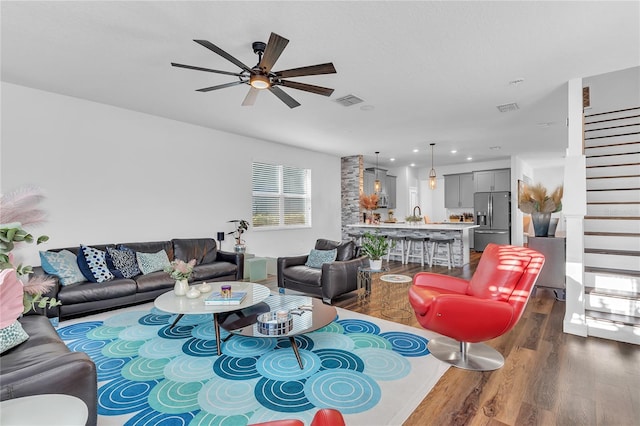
{"x": 419, "y": 211}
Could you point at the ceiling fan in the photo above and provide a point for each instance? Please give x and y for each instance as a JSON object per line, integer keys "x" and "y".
{"x": 261, "y": 77}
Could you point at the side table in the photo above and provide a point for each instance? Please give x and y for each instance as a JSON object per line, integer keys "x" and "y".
{"x": 395, "y": 296}
{"x": 365, "y": 277}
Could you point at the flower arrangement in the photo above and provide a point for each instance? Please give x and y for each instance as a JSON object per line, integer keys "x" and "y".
{"x": 241, "y": 226}
{"x": 17, "y": 210}
{"x": 180, "y": 270}
{"x": 535, "y": 199}
{"x": 369, "y": 202}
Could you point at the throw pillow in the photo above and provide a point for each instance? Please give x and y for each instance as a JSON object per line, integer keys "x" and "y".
{"x": 11, "y": 301}
{"x": 122, "y": 262}
{"x": 318, "y": 257}
{"x": 93, "y": 264}
{"x": 62, "y": 264}
{"x": 152, "y": 262}
{"x": 11, "y": 336}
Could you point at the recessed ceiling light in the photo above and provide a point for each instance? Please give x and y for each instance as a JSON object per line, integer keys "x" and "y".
{"x": 495, "y": 148}
{"x": 453, "y": 151}
{"x": 416, "y": 150}
{"x": 516, "y": 81}
{"x": 367, "y": 108}
{"x": 412, "y": 164}
{"x": 508, "y": 107}
{"x": 392, "y": 159}
{"x": 469, "y": 158}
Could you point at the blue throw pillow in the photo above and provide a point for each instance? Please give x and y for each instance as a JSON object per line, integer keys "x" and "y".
{"x": 122, "y": 262}
{"x": 62, "y": 264}
{"x": 318, "y": 257}
{"x": 93, "y": 264}
{"x": 152, "y": 262}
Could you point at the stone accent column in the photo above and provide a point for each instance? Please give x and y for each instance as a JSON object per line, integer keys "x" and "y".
{"x": 352, "y": 181}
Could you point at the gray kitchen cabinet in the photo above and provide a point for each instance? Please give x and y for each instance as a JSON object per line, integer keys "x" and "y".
{"x": 458, "y": 190}
{"x": 369, "y": 178}
{"x": 391, "y": 191}
{"x": 492, "y": 180}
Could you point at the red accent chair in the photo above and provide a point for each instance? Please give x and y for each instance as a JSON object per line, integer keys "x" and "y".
{"x": 323, "y": 417}
{"x": 468, "y": 312}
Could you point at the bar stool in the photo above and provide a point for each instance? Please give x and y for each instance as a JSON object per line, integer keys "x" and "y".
{"x": 435, "y": 244}
{"x": 413, "y": 243}
{"x": 356, "y": 236}
{"x": 399, "y": 246}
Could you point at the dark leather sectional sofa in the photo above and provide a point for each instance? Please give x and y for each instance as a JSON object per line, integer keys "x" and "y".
{"x": 86, "y": 297}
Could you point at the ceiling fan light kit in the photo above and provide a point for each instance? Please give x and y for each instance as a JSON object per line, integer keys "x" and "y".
{"x": 261, "y": 77}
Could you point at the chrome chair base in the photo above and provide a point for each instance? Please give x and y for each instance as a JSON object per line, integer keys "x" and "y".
{"x": 470, "y": 356}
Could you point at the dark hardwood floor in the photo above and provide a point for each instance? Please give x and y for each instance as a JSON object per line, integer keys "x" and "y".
{"x": 549, "y": 377}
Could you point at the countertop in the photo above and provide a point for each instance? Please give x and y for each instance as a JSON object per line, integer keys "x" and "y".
{"x": 427, "y": 226}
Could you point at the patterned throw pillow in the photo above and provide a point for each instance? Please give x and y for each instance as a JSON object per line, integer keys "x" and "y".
{"x": 62, "y": 264}
{"x": 12, "y": 335}
{"x": 122, "y": 262}
{"x": 318, "y": 257}
{"x": 93, "y": 264}
{"x": 152, "y": 262}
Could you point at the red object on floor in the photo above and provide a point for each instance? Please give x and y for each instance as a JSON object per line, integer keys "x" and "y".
{"x": 483, "y": 308}
{"x": 323, "y": 417}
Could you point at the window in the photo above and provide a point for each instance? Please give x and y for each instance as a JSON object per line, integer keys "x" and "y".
{"x": 281, "y": 196}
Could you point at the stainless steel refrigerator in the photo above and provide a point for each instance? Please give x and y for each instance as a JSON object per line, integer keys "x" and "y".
{"x": 493, "y": 214}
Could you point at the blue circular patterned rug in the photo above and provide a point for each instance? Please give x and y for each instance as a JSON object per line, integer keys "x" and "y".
{"x": 373, "y": 371}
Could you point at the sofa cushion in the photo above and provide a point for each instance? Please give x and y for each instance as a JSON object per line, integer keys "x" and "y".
{"x": 154, "y": 281}
{"x": 122, "y": 262}
{"x": 317, "y": 257}
{"x": 91, "y": 292}
{"x": 304, "y": 275}
{"x": 152, "y": 262}
{"x": 62, "y": 264}
{"x": 93, "y": 264}
{"x": 151, "y": 247}
{"x": 346, "y": 250}
{"x": 203, "y": 250}
{"x": 208, "y": 271}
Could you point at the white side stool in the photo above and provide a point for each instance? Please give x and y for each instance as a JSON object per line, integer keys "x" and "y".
{"x": 435, "y": 244}
{"x": 413, "y": 243}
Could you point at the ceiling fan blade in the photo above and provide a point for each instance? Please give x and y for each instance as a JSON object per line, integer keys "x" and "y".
{"x": 220, "y": 86}
{"x": 319, "y": 90}
{"x": 291, "y": 103}
{"x": 222, "y": 53}
{"x": 250, "y": 99}
{"x": 327, "y": 68}
{"x": 273, "y": 51}
{"x": 191, "y": 67}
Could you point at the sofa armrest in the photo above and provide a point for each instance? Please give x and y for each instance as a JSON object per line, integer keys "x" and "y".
{"x": 235, "y": 258}
{"x": 341, "y": 277}
{"x": 286, "y": 262}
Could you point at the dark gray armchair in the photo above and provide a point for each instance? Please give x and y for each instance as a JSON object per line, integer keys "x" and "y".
{"x": 333, "y": 279}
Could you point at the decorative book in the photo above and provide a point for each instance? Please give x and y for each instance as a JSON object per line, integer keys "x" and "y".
{"x": 216, "y": 298}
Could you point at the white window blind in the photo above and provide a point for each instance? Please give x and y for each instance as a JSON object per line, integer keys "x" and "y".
{"x": 281, "y": 196}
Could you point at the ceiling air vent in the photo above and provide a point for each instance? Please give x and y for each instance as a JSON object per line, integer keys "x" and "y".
{"x": 349, "y": 100}
{"x": 508, "y": 107}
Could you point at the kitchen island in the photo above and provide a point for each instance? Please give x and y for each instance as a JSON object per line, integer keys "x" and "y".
{"x": 459, "y": 231}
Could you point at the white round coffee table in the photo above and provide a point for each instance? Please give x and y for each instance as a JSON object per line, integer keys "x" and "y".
{"x": 181, "y": 305}
{"x": 45, "y": 409}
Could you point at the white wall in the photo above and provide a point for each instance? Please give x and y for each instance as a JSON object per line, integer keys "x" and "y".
{"x": 115, "y": 175}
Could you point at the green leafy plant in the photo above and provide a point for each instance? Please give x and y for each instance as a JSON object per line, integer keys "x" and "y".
{"x": 18, "y": 209}
{"x": 413, "y": 219}
{"x": 241, "y": 226}
{"x": 375, "y": 245}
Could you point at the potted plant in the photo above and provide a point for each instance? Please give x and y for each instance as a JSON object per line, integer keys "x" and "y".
{"x": 413, "y": 220}
{"x": 535, "y": 201}
{"x": 375, "y": 246}
{"x": 241, "y": 226}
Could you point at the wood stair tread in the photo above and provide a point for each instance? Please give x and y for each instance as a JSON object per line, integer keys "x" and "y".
{"x": 612, "y": 271}
{"x": 613, "y": 189}
{"x": 625, "y": 319}
{"x": 617, "y": 154}
{"x": 612, "y": 144}
{"x": 613, "y": 293}
{"x": 613, "y": 217}
{"x": 612, "y": 234}
{"x": 612, "y": 177}
{"x": 613, "y": 165}
{"x": 613, "y": 202}
{"x": 612, "y": 252}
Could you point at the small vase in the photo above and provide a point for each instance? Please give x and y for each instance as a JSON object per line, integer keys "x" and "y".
{"x": 540, "y": 223}
{"x": 375, "y": 265}
{"x": 181, "y": 287}
{"x": 240, "y": 248}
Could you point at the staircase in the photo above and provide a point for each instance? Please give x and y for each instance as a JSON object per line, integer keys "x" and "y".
{"x": 612, "y": 225}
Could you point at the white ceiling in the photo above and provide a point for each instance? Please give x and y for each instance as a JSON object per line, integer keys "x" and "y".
{"x": 432, "y": 71}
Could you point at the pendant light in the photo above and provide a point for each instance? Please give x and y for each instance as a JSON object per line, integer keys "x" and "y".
{"x": 432, "y": 172}
{"x": 376, "y": 183}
